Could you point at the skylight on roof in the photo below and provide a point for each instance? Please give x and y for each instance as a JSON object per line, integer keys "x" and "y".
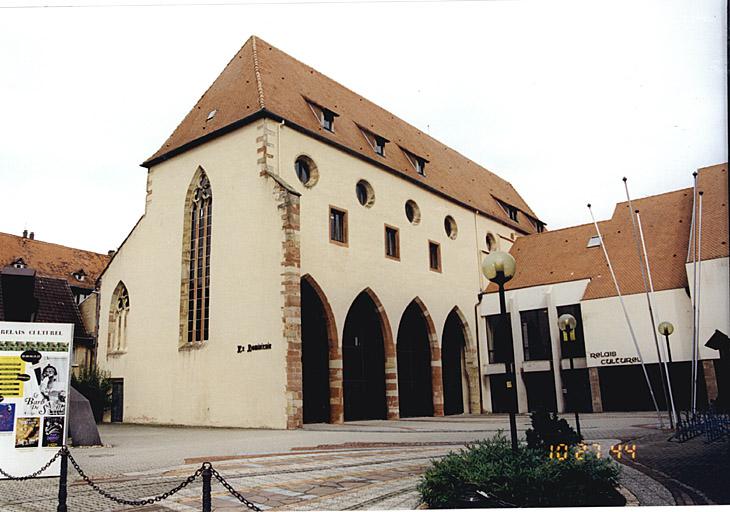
{"x": 211, "y": 115}
{"x": 594, "y": 241}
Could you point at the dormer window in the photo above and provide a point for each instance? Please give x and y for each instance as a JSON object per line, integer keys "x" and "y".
{"x": 325, "y": 116}
{"x": 79, "y": 275}
{"x": 539, "y": 225}
{"x": 594, "y": 241}
{"x": 510, "y": 210}
{"x": 19, "y": 263}
{"x": 418, "y": 163}
{"x": 379, "y": 145}
{"x": 376, "y": 141}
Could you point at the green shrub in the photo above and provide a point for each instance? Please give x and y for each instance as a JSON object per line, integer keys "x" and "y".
{"x": 525, "y": 478}
{"x": 95, "y": 385}
{"x": 547, "y": 429}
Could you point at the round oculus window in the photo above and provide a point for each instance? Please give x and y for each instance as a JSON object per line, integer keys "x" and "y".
{"x": 365, "y": 194}
{"x": 306, "y": 171}
{"x": 450, "y": 227}
{"x": 413, "y": 212}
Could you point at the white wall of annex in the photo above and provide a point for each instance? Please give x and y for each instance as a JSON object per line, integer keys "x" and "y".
{"x": 714, "y": 296}
{"x": 606, "y": 329}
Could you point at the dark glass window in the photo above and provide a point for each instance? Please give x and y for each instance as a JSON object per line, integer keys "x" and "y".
{"x": 499, "y": 338}
{"x": 577, "y": 347}
{"x": 420, "y": 166}
{"x": 338, "y": 225}
{"x": 362, "y": 193}
{"x": 536, "y": 334}
{"x": 392, "y": 249}
{"x": 410, "y": 212}
{"x": 328, "y": 119}
{"x": 201, "y": 217}
{"x": 302, "y": 168}
{"x": 434, "y": 256}
{"x": 379, "y": 145}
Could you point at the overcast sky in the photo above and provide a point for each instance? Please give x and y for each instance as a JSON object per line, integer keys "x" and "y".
{"x": 561, "y": 98}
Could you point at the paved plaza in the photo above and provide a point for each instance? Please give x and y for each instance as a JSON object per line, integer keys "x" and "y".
{"x": 358, "y": 465}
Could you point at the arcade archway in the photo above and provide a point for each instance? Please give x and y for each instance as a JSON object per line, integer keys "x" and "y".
{"x": 455, "y": 365}
{"x": 363, "y": 360}
{"x": 321, "y": 381}
{"x": 415, "y": 335}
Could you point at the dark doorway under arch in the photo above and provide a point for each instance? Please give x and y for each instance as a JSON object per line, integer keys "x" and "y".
{"x": 414, "y": 364}
{"x": 315, "y": 357}
{"x": 363, "y": 360}
{"x": 452, "y": 355}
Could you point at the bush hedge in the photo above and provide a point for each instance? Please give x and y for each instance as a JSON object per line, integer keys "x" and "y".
{"x": 95, "y": 385}
{"x": 525, "y": 478}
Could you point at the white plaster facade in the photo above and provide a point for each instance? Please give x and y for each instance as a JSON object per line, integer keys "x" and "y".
{"x": 214, "y": 385}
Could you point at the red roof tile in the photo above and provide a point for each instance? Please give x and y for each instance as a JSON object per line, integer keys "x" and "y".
{"x": 562, "y": 255}
{"x": 52, "y": 260}
{"x": 261, "y": 78}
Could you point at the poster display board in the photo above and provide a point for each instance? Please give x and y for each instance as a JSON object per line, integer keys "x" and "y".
{"x": 35, "y": 371}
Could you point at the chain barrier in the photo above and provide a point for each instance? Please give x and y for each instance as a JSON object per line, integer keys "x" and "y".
{"x": 206, "y": 470}
{"x": 37, "y": 473}
{"x": 233, "y": 492}
{"x": 146, "y": 501}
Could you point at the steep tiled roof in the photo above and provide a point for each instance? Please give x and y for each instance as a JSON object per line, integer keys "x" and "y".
{"x": 52, "y": 260}
{"x": 562, "y": 255}
{"x": 55, "y": 304}
{"x": 262, "y": 79}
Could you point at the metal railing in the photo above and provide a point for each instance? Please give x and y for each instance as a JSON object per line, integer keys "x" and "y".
{"x": 206, "y": 471}
{"x": 710, "y": 423}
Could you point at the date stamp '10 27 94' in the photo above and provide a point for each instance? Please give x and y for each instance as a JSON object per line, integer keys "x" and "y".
{"x": 562, "y": 452}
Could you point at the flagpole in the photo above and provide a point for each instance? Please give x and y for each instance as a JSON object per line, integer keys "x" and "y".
{"x": 628, "y": 320}
{"x": 670, "y": 404}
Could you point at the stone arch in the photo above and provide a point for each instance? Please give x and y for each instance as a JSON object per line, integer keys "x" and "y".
{"x": 389, "y": 357}
{"x": 472, "y": 366}
{"x": 117, "y": 326}
{"x": 199, "y": 181}
{"x": 435, "y": 355}
{"x": 336, "y": 411}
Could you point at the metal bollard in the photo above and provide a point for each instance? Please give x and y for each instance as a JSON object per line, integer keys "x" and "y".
{"x": 62, "y": 481}
{"x": 206, "y": 487}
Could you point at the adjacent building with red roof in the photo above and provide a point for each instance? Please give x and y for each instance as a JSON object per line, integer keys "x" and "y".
{"x": 566, "y": 271}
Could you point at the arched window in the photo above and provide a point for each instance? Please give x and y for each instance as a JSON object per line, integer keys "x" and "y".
{"x": 118, "y": 312}
{"x": 196, "y": 258}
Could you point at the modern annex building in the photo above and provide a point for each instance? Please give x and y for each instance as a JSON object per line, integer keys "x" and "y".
{"x": 565, "y": 271}
{"x": 304, "y": 256}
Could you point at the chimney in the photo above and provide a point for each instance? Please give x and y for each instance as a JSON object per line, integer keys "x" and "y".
{"x": 18, "y": 289}
{"x": 32, "y": 235}
{"x": 25, "y": 233}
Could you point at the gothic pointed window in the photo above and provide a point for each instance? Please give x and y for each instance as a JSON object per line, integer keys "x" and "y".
{"x": 118, "y": 312}
{"x": 196, "y": 285}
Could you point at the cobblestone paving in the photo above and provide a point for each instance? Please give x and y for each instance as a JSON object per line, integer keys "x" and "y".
{"x": 695, "y": 472}
{"x": 360, "y": 465}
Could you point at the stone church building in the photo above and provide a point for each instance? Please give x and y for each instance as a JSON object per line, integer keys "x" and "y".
{"x": 304, "y": 256}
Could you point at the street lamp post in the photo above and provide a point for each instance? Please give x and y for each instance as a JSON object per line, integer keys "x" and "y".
{"x": 567, "y": 324}
{"x": 665, "y": 329}
{"x": 499, "y": 267}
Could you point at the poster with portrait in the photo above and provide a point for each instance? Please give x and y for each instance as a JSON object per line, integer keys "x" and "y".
{"x": 35, "y": 361}
{"x": 27, "y": 432}
{"x": 53, "y": 431}
{"x": 47, "y": 387}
